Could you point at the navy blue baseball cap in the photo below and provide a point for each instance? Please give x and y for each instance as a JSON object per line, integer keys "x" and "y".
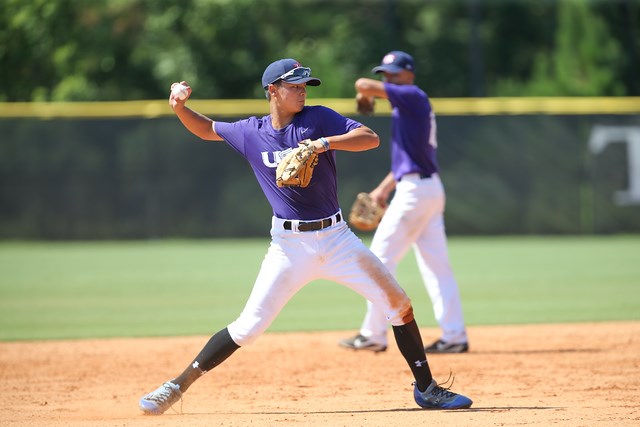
{"x": 394, "y": 62}
{"x": 290, "y": 71}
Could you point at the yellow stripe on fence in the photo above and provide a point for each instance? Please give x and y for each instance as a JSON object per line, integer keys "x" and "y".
{"x": 576, "y": 106}
{"x": 241, "y": 107}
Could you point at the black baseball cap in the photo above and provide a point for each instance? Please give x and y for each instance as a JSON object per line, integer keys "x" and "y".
{"x": 394, "y": 62}
{"x": 290, "y": 71}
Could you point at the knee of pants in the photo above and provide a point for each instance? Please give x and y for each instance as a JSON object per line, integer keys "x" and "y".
{"x": 244, "y": 332}
{"x": 402, "y": 313}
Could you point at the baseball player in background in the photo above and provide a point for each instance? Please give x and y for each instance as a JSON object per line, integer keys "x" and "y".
{"x": 415, "y": 216}
{"x": 309, "y": 238}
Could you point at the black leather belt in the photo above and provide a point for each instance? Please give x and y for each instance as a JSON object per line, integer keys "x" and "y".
{"x": 313, "y": 225}
{"x": 421, "y": 175}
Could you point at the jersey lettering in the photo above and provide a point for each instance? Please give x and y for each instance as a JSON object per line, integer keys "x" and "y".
{"x": 275, "y": 158}
{"x": 433, "y": 140}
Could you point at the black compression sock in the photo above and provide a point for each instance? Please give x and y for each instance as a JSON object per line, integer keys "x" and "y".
{"x": 216, "y": 351}
{"x": 410, "y": 344}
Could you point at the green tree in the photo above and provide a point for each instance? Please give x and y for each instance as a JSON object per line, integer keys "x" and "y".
{"x": 72, "y": 50}
{"x": 585, "y": 60}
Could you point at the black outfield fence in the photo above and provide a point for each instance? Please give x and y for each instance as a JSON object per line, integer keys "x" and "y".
{"x": 101, "y": 174}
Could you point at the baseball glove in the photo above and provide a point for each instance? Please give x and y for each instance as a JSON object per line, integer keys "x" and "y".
{"x": 365, "y": 215}
{"x": 364, "y": 105}
{"x": 296, "y": 168}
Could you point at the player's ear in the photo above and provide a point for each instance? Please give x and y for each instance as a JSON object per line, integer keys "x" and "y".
{"x": 270, "y": 91}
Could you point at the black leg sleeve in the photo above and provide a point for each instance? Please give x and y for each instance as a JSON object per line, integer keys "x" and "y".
{"x": 410, "y": 344}
{"x": 216, "y": 351}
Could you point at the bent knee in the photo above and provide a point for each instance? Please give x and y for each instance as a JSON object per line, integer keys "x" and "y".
{"x": 406, "y": 316}
{"x": 402, "y": 313}
{"x": 244, "y": 335}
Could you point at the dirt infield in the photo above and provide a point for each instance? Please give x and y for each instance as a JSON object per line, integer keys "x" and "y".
{"x": 567, "y": 375}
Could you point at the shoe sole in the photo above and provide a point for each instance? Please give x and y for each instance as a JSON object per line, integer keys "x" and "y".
{"x": 149, "y": 408}
{"x": 450, "y": 350}
{"x": 438, "y": 408}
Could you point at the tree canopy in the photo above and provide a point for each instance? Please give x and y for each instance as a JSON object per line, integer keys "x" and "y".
{"x": 102, "y": 50}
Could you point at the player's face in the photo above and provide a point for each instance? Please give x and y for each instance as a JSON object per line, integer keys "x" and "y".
{"x": 291, "y": 97}
{"x": 403, "y": 77}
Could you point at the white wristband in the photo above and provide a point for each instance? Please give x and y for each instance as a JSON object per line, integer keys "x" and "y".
{"x": 325, "y": 143}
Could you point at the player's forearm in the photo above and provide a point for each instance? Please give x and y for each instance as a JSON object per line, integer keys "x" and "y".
{"x": 387, "y": 185}
{"x": 380, "y": 194}
{"x": 196, "y": 123}
{"x": 370, "y": 88}
{"x": 360, "y": 139}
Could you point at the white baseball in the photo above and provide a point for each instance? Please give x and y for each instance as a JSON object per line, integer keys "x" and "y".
{"x": 180, "y": 91}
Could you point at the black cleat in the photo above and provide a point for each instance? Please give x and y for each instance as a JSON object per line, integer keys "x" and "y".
{"x": 360, "y": 342}
{"x": 440, "y": 346}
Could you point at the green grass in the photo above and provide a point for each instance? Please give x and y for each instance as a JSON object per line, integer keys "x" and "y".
{"x": 158, "y": 288}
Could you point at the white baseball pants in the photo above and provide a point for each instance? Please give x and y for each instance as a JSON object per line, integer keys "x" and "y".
{"x": 297, "y": 258}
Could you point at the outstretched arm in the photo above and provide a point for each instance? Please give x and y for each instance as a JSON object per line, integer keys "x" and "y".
{"x": 196, "y": 123}
{"x": 381, "y": 193}
{"x": 359, "y": 139}
{"x": 370, "y": 88}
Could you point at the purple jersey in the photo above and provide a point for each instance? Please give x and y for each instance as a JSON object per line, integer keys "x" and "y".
{"x": 413, "y": 131}
{"x": 263, "y": 146}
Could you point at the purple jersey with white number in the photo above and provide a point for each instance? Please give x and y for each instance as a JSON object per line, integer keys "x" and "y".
{"x": 263, "y": 146}
{"x": 413, "y": 131}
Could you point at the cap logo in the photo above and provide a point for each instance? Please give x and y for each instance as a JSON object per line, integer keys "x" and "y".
{"x": 388, "y": 59}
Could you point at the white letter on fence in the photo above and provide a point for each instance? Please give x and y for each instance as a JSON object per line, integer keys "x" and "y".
{"x": 601, "y": 136}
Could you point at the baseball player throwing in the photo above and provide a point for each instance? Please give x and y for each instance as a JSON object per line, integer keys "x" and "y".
{"x": 310, "y": 239}
{"x": 415, "y": 216}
